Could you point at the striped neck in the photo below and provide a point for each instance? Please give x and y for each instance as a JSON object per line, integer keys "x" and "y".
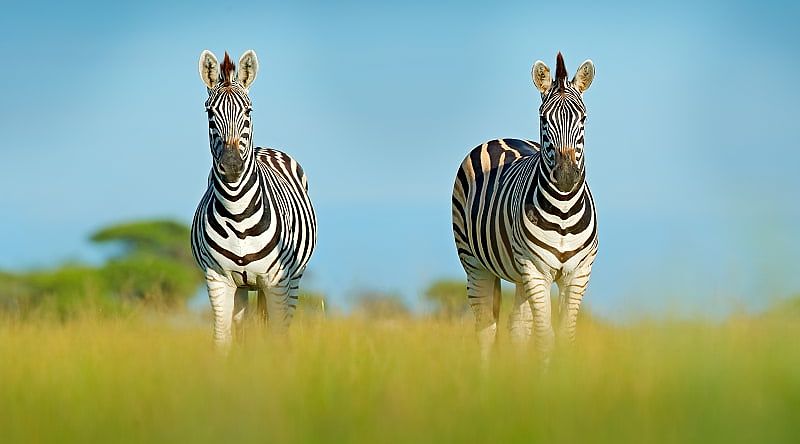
{"x": 236, "y": 197}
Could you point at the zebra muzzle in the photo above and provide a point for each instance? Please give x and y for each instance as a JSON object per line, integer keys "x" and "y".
{"x": 231, "y": 163}
{"x": 566, "y": 173}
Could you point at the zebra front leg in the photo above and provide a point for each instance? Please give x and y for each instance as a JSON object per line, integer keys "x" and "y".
{"x": 240, "y": 304}
{"x": 221, "y": 294}
{"x": 520, "y": 320}
{"x": 483, "y": 292}
{"x": 570, "y": 298}
{"x": 277, "y": 301}
{"x": 537, "y": 288}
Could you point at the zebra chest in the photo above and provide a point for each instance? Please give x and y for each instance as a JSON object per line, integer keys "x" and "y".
{"x": 552, "y": 228}
{"x": 556, "y": 233}
{"x": 236, "y": 237}
{"x": 244, "y": 246}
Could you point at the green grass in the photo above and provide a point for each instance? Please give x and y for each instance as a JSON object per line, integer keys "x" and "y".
{"x": 154, "y": 379}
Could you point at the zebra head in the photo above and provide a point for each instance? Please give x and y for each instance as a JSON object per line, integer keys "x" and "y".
{"x": 228, "y": 107}
{"x": 562, "y": 118}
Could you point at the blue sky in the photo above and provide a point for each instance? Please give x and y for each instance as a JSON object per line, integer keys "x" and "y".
{"x": 691, "y": 150}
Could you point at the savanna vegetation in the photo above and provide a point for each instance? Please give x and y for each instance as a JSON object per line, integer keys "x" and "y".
{"x": 145, "y": 378}
{"x": 109, "y": 353}
{"x": 153, "y": 265}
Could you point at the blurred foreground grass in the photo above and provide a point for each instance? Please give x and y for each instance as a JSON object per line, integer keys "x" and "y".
{"x": 151, "y": 378}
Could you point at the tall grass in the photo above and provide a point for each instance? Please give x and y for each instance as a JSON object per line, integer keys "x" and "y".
{"x": 157, "y": 379}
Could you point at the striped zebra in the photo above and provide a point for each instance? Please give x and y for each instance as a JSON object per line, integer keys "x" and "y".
{"x": 254, "y": 228}
{"x": 522, "y": 212}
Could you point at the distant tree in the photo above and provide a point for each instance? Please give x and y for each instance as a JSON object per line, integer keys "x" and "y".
{"x": 163, "y": 238}
{"x": 378, "y": 305}
{"x": 151, "y": 279}
{"x": 156, "y": 264}
{"x": 155, "y": 267}
{"x": 448, "y": 297}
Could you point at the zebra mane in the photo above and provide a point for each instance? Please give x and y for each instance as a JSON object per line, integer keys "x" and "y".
{"x": 227, "y": 69}
{"x": 561, "y": 72}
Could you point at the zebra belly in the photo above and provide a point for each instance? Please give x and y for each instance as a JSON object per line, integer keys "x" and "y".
{"x": 484, "y": 195}
{"x": 522, "y": 256}
{"x": 258, "y": 267}
{"x": 492, "y": 254}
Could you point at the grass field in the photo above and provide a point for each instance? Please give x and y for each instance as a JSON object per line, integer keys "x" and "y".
{"x": 148, "y": 378}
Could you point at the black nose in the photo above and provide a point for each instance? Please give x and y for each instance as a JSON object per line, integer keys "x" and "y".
{"x": 566, "y": 174}
{"x": 231, "y": 163}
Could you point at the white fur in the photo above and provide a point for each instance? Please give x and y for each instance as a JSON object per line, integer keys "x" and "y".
{"x": 248, "y": 68}
{"x": 541, "y": 76}
{"x": 584, "y": 76}
{"x": 209, "y": 68}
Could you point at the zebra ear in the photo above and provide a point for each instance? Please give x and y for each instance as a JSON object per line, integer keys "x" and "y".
{"x": 209, "y": 69}
{"x": 248, "y": 67}
{"x": 541, "y": 76}
{"x": 584, "y": 76}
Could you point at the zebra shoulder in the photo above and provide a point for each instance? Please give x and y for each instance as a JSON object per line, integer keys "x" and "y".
{"x": 280, "y": 161}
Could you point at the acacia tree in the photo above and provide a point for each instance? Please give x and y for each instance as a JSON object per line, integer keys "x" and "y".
{"x": 163, "y": 238}
{"x": 156, "y": 263}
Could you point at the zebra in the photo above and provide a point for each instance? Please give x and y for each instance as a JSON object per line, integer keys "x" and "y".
{"x": 522, "y": 212}
{"x": 255, "y": 227}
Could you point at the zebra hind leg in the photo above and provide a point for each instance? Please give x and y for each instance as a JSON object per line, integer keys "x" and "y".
{"x": 483, "y": 293}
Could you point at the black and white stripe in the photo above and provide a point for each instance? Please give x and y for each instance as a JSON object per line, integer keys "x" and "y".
{"x": 255, "y": 227}
{"x": 523, "y": 212}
